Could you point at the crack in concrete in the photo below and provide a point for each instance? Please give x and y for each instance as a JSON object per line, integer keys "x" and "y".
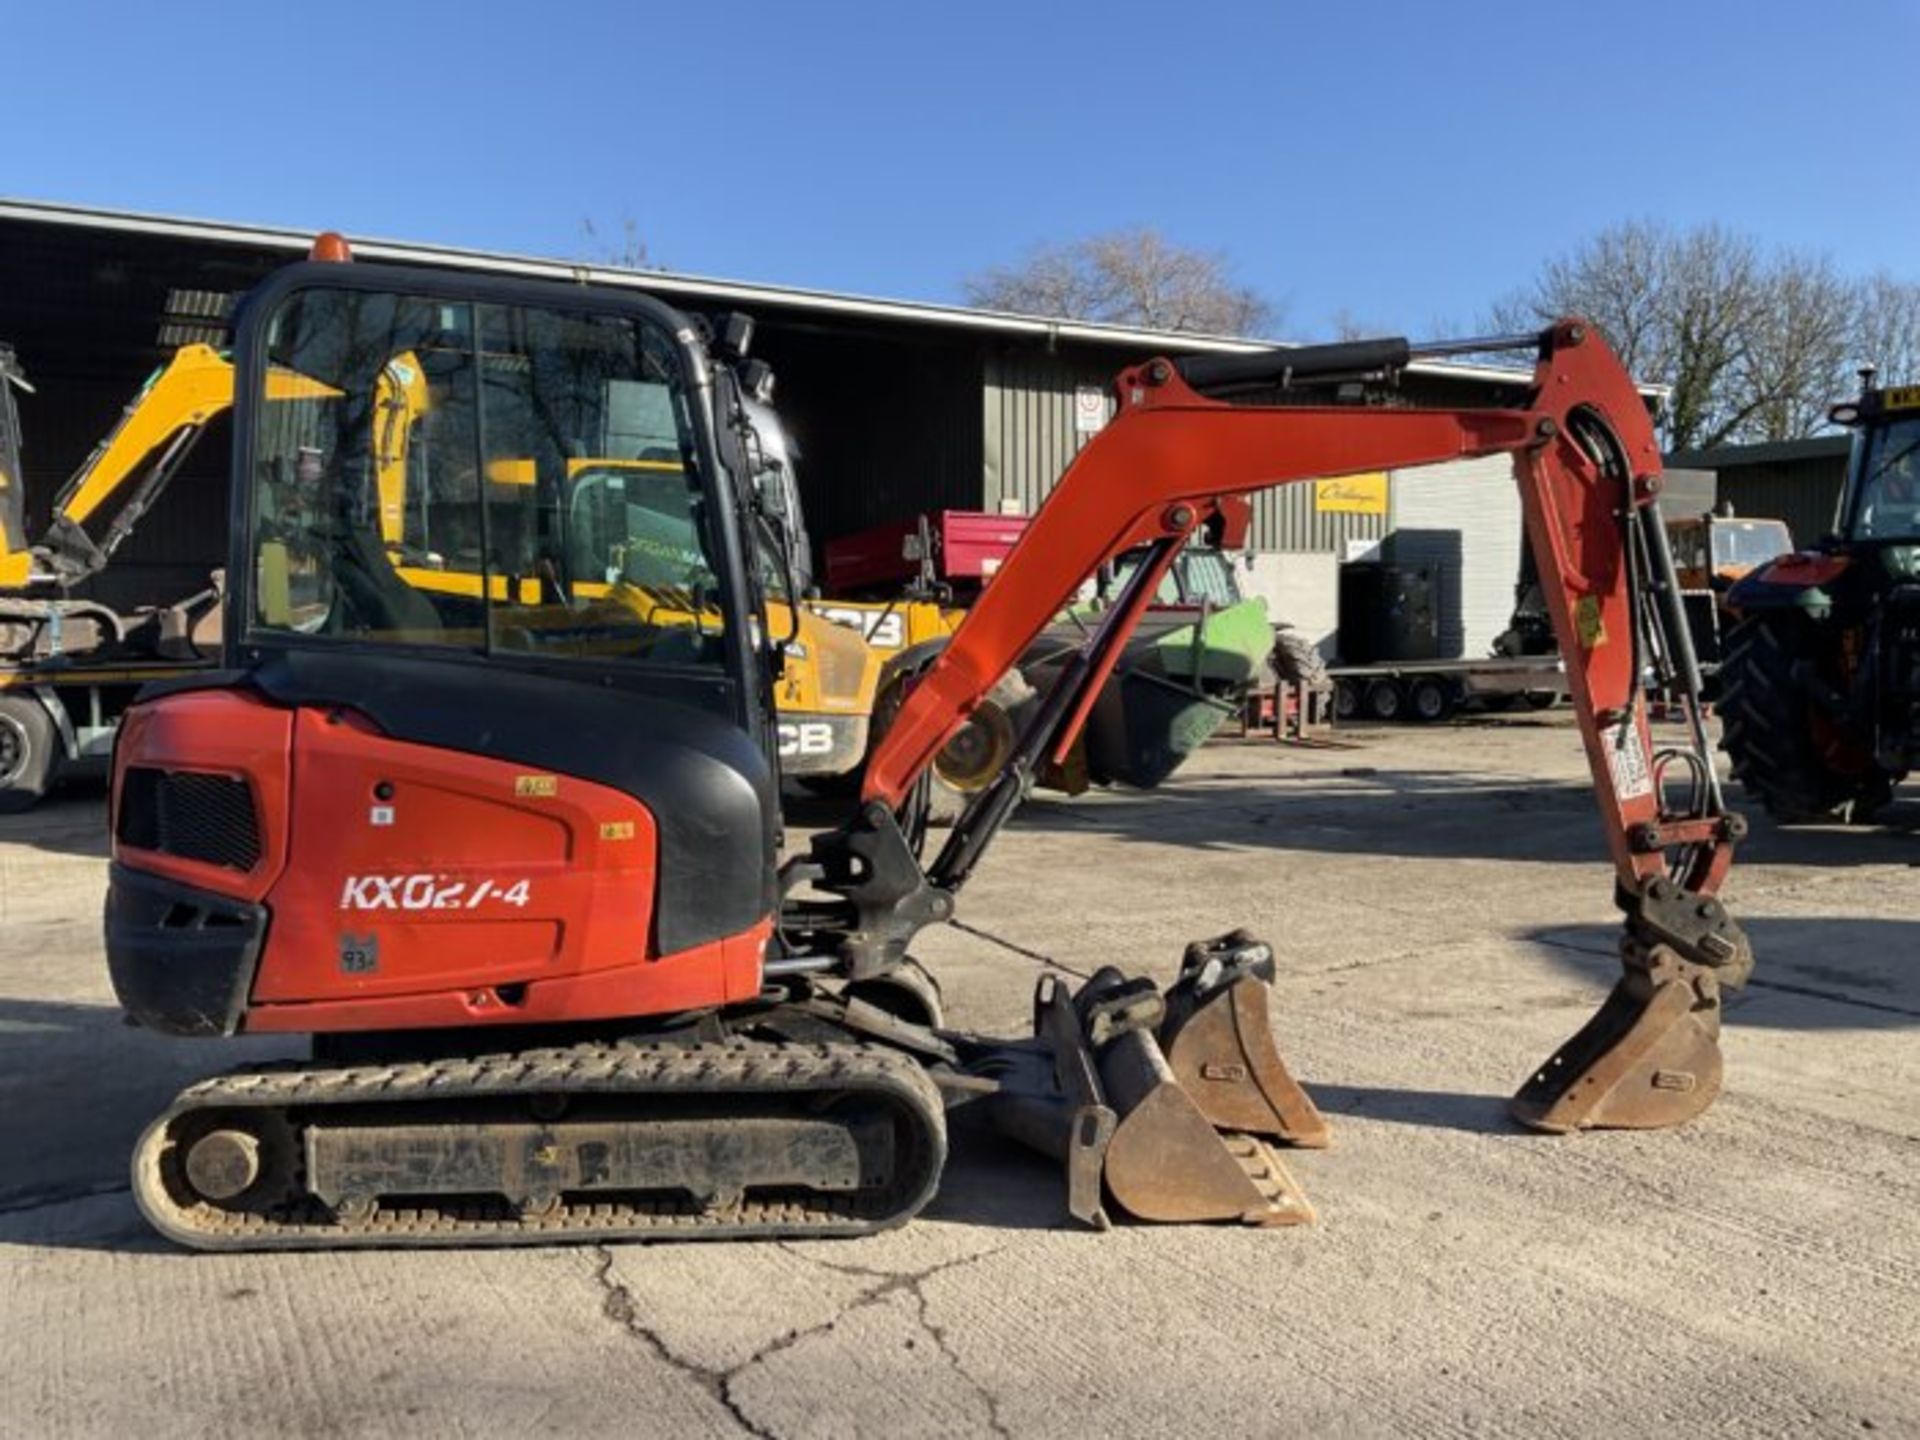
{"x": 618, "y": 1306}
{"x": 1835, "y": 997}
{"x": 913, "y": 1282}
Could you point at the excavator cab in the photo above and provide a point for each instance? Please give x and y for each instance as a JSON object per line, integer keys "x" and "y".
{"x": 519, "y": 394}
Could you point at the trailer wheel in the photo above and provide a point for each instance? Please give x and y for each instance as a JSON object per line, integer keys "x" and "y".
{"x": 1346, "y": 700}
{"x": 1431, "y": 699}
{"x": 1385, "y": 701}
{"x": 29, "y": 753}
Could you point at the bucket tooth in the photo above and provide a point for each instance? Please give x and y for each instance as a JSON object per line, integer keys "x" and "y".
{"x": 1218, "y": 1039}
{"x": 1649, "y": 1057}
{"x": 1166, "y": 1163}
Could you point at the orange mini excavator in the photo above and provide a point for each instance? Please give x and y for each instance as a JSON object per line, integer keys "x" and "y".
{"x": 510, "y": 855}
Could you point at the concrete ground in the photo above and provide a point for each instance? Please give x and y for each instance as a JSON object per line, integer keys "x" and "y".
{"x": 1443, "y": 919}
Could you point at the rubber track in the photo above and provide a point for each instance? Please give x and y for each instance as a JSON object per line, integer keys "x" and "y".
{"x": 736, "y": 1067}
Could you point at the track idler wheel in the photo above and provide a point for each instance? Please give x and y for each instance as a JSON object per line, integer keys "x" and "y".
{"x": 1649, "y": 1058}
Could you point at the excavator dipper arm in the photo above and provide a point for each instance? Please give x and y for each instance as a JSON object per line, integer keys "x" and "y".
{"x": 1175, "y": 459}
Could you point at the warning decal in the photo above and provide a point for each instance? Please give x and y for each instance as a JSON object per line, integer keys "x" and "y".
{"x": 1627, "y": 759}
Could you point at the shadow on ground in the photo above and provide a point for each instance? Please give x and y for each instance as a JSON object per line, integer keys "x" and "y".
{"x": 71, "y": 821}
{"x": 77, "y": 1087}
{"x": 1821, "y": 972}
{"x": 1428, "y": 1109}
{"x": 1425, "y": 814}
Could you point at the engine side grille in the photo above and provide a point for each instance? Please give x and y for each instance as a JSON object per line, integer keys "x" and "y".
{"x": 209, "y": 818}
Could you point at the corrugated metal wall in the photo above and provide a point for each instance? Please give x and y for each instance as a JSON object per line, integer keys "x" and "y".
{"x": 888, "y": 423}
{"x": 1464, "y": 520}
{"x": 1804, "y": 493}
{"x": 1285, "y": 519}
{"x": 1027, "y": 400}
{"x": 1028, "y": 409}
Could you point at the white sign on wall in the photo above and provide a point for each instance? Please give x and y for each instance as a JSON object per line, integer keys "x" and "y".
{"x": 1089, "y": 409}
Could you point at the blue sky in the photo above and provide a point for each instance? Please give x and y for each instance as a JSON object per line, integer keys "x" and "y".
{"x": 1406, "y": 163}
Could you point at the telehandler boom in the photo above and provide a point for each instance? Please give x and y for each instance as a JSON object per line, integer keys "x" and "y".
{"x": 513, "y": 863}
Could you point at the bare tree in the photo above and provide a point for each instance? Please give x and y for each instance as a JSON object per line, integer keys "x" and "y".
{"x": 1753, "y": 347}
{"x": 1346, "y": 324}
{"x": 1126, "y": 277}
{"x": 1803, "y": 337}
{"x": 628, "y": 252}
{"x": 1886, "y": 328}
{"x": 1679, "y": 309}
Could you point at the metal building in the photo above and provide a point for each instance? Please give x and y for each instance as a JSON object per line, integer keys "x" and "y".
{"x": 1797, "y": 481}
{"x": 898, "y": 407}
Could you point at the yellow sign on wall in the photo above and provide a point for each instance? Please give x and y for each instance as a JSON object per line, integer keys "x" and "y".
{"x": 1364, "y": 494}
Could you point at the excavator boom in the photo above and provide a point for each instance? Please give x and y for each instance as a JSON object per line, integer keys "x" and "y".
{"x": 143, "y": 452}
{"x": 1585, "y": 458}
{"x": 1178, "y": 459}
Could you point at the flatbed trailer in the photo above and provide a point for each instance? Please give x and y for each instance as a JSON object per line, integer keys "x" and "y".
{"x": 58, "y": 717}
{"x": 1431, "y": 690}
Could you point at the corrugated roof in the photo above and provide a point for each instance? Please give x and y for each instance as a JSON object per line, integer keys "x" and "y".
{"x": 1772, "y": 452}
{"x": 294, "y": 243}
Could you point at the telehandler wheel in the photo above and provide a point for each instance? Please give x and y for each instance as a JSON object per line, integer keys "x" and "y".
{"x": 1771, "y": 729}
{"x": 29, "y": 753}
{"x": 973, "y": 756}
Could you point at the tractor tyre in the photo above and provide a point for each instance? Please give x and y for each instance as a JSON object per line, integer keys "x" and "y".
{"x": 1770, "y": 729}
{"x": 1296, "y": 660}
{"x": 30, "y": 753}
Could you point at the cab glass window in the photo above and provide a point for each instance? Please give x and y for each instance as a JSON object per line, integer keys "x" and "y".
{"x": 1207, "y": 578}
{"x": 483, "y": 477}
{"x": 13, "y": 499}
{"x": 1887, "y": 497}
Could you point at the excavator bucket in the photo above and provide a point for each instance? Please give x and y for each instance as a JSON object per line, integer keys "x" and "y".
{"x": 1218, "y": 1038}
{"x": 1649, "y": 1057}
{"x": 1127, "y": 1121}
